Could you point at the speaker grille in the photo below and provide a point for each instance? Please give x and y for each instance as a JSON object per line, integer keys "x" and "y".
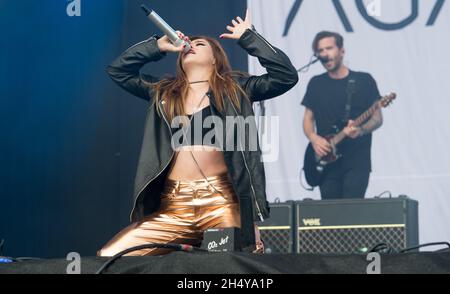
{"x": 347, "y": 240}
{"x": 277, "y": 240}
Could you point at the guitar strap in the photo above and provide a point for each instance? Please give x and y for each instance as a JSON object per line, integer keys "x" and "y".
{"x": 351, "y": 90}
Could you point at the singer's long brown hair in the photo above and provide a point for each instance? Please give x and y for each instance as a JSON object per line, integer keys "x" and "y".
{"x": 174, "y": 90}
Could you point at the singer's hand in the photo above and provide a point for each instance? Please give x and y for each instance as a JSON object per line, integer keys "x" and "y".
{"x": 239, "y": 27}
{"x": 165, "y": 45}
{"x": 259, "y": 243}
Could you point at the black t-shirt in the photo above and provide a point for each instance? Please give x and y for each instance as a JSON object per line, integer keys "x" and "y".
{"x": 327, "y": 97}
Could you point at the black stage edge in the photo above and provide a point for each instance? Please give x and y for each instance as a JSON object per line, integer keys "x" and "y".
{"x": 244, "y": 263}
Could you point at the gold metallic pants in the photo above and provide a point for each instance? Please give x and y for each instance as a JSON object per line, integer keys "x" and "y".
{"x": 188, "y": 208}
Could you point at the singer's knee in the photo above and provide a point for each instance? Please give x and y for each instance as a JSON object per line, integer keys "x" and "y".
{"x": 104, "y": 253}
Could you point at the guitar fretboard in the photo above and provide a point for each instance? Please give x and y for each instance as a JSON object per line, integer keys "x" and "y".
{"x": 359, "y": 121}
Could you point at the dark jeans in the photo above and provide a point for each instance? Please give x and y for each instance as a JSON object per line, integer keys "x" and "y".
{"x": 344, "y": 184}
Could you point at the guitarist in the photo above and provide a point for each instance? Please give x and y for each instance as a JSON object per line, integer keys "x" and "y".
{"x": 337, "y": 97}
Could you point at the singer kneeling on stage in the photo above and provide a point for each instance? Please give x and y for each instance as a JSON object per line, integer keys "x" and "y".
{"x": 194, "y": 173}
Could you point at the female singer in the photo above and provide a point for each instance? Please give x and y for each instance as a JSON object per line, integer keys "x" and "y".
{"x": 208, "y": 179}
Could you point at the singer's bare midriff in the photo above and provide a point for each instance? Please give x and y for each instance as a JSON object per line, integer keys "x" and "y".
{"x": 210, "y": 160}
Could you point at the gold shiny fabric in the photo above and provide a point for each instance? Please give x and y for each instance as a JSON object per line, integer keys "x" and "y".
{"x": 188, "y": 208}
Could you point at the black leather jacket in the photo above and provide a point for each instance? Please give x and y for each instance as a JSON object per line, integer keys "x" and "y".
{"x": 245, "y": 167}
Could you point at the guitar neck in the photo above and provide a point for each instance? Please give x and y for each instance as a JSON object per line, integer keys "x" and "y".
{"x": 358, "y": 122}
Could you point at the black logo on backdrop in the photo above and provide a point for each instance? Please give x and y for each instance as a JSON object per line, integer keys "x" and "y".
{"x": 370, "y": 19}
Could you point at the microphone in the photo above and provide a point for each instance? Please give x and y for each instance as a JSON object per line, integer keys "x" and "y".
{"x": 165, "y": 28}
{"x": 322, "y": 59}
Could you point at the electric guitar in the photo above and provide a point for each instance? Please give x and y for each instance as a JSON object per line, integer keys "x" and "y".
{"x": 315, "y": 166}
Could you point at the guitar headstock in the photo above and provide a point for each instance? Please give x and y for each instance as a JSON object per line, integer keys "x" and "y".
{"x": 387, "y": 100}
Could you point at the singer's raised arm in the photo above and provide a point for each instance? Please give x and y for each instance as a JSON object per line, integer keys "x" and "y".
{"x": 125, "y": 70}
{"x": 281, "y": 75}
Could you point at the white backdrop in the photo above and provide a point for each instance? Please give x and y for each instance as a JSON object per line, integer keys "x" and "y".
{"x": 410, "y": 152}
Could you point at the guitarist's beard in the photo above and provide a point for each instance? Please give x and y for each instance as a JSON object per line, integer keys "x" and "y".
{"x": 334, "y": 64}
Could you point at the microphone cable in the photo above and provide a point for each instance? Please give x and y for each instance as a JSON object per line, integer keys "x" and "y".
{"x": 176, "y": 247}
{"x": 307, "y": 66}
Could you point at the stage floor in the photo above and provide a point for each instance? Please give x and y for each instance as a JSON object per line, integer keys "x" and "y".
{"x": 243, "y": 263}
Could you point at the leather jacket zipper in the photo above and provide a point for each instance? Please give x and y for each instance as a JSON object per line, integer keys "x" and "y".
{"x": 171, "y": 156}
{"x": 250, "y": 176}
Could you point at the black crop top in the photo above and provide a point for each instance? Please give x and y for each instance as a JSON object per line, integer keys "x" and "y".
{"x": 207, "y": 137}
